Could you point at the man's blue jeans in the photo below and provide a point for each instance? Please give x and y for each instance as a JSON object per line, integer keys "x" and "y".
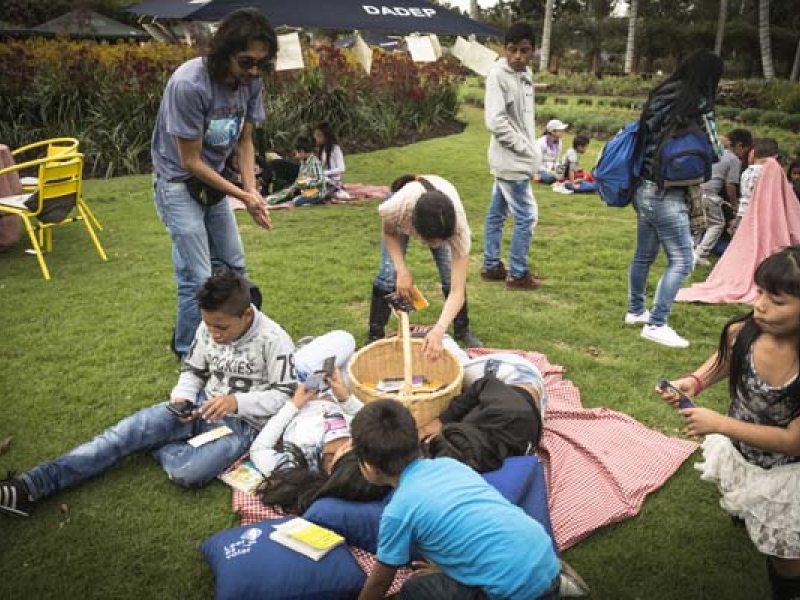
{"x": 201, "y": 236}
{"x": 662, "y": 221}
{"x": 387, "y": 276}
{"x": 153, "y": 428}
{"x": 438, "y": 586}
{"x": 516, "y": 197}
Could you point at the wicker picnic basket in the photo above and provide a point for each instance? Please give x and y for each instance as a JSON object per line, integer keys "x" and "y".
{"x": 384, "y": 358}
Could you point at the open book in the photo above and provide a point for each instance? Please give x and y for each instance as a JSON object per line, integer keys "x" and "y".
{"x": 306, "y": 538}
{"x": 245, "y": 477}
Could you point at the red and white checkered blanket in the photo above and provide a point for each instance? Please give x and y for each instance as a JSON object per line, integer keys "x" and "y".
{"x": 600, "y": 464}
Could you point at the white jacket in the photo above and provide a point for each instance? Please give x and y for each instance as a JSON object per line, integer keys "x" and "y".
{"x": 509, "y": 116}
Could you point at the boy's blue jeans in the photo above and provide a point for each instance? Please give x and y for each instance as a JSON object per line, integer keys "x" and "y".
{"x": 153, "y": 428}
{"x": 662, "y": 221}
{"x": 516, "y": 197}
{"x": 387, "y": 276}
{"x": 201, "y": 235}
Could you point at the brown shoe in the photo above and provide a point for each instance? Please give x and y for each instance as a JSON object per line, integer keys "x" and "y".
{"x": 497, "y": 273}
{"x": 526, "y": 282}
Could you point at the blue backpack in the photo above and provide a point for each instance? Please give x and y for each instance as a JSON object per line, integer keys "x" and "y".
{"x": 618, "y": 167}
{"x": 683, "y": 158}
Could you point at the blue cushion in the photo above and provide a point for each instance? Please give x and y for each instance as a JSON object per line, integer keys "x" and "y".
{"x": 520, "y": 480}
{"x": 249, "y": 565}
{"x": 358, "y": 522}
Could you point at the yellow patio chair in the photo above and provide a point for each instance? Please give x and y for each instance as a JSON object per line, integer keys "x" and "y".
{"x": 53, "y": 202}
{"x": 52, "y": 147}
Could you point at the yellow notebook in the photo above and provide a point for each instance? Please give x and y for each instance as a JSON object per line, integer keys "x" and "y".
{"x": 317, "y": 537}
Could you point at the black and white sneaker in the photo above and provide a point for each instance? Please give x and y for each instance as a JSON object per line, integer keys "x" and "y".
{"x": 14, "y": 499}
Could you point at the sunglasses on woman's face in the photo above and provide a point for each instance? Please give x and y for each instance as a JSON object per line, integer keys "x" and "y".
{"x": 248, "y": 62}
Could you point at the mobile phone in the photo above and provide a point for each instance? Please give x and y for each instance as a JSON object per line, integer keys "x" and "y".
{"x": 683, "y": 400}
{"x": 328, "y": 366}
{"x": 182, "y": 410}
{"x": 314, "y": 381}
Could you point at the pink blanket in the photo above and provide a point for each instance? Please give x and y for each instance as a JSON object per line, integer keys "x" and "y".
{"x": 771, "y": 223}
{"x": 600, "y": 464}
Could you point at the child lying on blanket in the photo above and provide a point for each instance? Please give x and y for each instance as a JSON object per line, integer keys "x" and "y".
{"x": 304, "y": 449}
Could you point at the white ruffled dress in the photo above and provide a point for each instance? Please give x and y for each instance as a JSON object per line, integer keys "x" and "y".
{"x": 767, "y": 499}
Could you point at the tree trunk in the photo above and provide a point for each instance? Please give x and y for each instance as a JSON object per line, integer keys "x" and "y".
{"x": 544, "y": 57}
{"x": 723, "y": 16}
{"x": 629, "y": 51}
{"x": 796, "y": 66}
{"x": 764, "y": 41}
{"x": 473, "y": 9}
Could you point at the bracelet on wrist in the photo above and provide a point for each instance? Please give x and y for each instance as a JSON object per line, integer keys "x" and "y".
{"x": 698, "y": 383}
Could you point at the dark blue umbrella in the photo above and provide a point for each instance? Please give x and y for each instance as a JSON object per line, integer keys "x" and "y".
{"x": 391, "y": 16}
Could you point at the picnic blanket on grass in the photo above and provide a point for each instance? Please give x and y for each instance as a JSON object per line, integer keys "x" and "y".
{"x": 599, "y": 464}
{"x": 771, "y": 223}
{"x": 360, "y": 193}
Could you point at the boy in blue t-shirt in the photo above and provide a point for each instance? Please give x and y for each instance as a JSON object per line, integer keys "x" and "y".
{"x": 477, "y": 544}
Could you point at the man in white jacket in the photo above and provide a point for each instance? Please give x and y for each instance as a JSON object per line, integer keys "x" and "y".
{"x": 239, "y": 372}
{"x": 513, "y": 160}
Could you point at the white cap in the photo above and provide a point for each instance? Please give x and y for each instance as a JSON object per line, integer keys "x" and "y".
{"x": 556, "y": 125}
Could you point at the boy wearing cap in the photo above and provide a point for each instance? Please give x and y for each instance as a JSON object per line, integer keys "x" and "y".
{"x": 514, "y": 159}
{"x": 550, "y": 147}
{"x": 428, "y": 208}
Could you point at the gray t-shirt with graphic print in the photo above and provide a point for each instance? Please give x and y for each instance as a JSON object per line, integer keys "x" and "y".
{"x": 193, "y": 108}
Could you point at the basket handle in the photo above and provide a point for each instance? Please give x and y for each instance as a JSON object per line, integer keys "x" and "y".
{"x": 406, "y": 333}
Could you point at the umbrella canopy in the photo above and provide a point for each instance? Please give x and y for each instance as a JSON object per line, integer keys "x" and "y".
{"x": 80, "y": 23}
{"x": 392, "y": 16}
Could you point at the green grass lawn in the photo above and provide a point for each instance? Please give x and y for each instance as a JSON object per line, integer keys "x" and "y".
{"x": 91, "y": 346}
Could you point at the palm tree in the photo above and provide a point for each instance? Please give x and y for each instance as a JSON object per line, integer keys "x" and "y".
{"x": 723, "y": 16}
{"x": 544, "y": 58}
{"x": 633, "y": 10}
{"x": 796, "y": 65}
{"x": 764, "y": 41}
{"x": 473, "y": 9}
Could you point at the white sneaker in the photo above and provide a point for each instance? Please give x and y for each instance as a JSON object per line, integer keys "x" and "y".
{"x": 632, "y": 319}
{"x": 571, "y": 585}
{"x": 702, "y": 261}
{"x": 664, "y": 335}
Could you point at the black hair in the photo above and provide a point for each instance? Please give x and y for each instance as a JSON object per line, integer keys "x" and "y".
{"x": 795, "y": 164}
{"x": 328, "y": 144}
{"x": 225, "y": 292}
{"x": 385, "y": 436}
{"x": 580, "y": 140}
{"x": 400, "y": 182}
{"x": 765, "y": 148}
{"x": 293, "y": 487}
{"x": 434, "y": 216}
{"x": 777, "y": 274}
{"x": 467, "y": 444}
{"x": 304, "y": 144}
{"x": 697, "y": 77}
{"x": 518, "y": 32}
{"x": 234, "y": 34}
{"x": 740, "y": 136}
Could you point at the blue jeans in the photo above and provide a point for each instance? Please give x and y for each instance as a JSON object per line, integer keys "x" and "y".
{"x": 155, "y": 429}
{"x": 439, "y": 586}
{"x": 662, "y": 221}
{"x": 546, "y": 177}
{"x": 517, "y": 197}
{"x": 387, "y": 276}
{"x": 201, "y": 237}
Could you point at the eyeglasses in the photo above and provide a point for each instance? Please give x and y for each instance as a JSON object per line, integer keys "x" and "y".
{"x": 248, "y": 62}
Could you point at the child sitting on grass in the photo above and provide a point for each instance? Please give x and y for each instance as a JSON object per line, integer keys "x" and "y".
{"x": 577, "y": 180}
{"x": 763, "y": 149}
{"x": 309, "y": 187}
{"x": 478, "y": 545}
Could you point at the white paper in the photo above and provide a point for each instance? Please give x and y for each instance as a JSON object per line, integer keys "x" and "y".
{"x": 460, "y": 48}
{"x": 290, "y": 54}
{"x": 420, "y": 48}
{"x": 437, "y": 47}
{"x": 363, "y": 53}
{"x": 479, "y": 58}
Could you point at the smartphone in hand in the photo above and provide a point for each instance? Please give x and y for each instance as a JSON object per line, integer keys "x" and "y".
{"x": 683, "y": 400}
{"x": 182, "y": 410}
{"x": 328, "y": 366}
